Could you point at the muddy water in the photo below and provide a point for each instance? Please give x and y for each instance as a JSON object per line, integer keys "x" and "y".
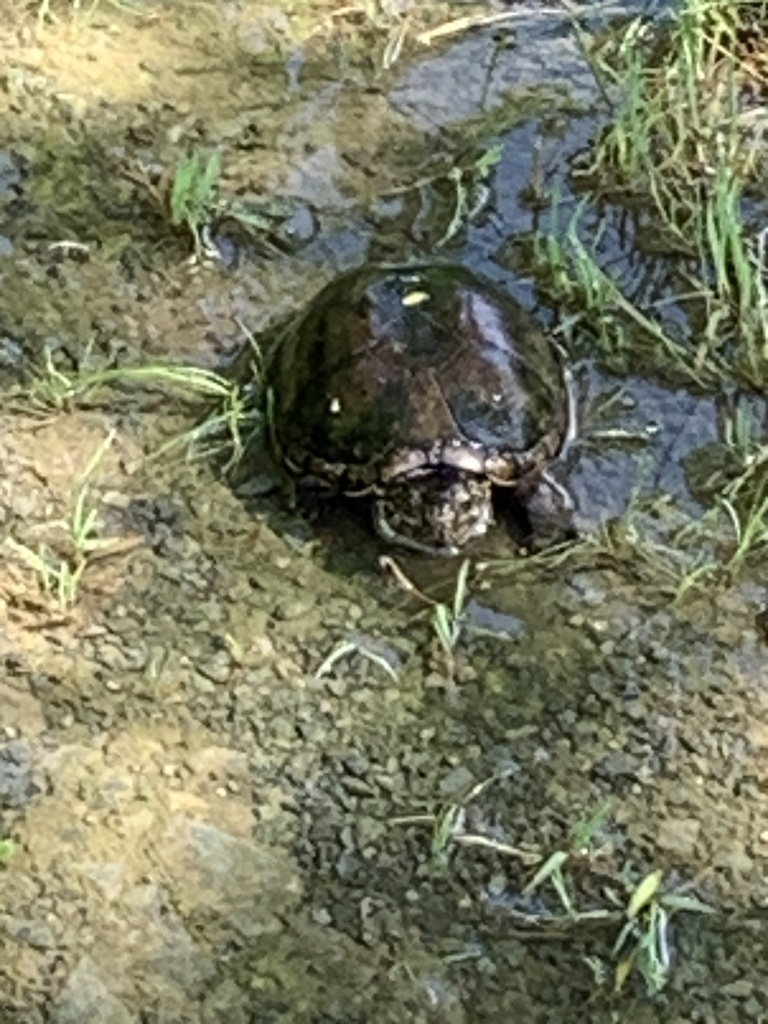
{"x": 202, "y": 826}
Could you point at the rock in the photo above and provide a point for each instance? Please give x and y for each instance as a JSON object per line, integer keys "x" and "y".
{"x": 616, "y": 765}
{"x": 301, "y": 226}
{"x": 735, "y": 860}
{"x": 246, "y": 886}
{"x": 217, "y": 668}
{"x": 34, "y": 933}
{"x": 108, "y": 877}
{"x": 17, "y": 784}
{"x": 294, "y": 607}
{"x": 227, "y": 1004}
{"x": 679, "y": 836}
{"x": 738, "y": 989}
{"x": 21, "y": 710}
{"x": 85, "y": 999}
{"x": 457, "y": 782}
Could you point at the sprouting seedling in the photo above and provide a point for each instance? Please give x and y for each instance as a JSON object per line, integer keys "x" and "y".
{"x": 84, "y": 522}
{"x": 552, "y": 870}
{"x": 448, "y": 825}
{"x": 644, "y": 940}
{"x": 584, "y": 833}
{"x": 193, "y": 193}
{"x": 471, "y": 191}
{"x": 59, "y": 575}
{"x": 447, "y": 619}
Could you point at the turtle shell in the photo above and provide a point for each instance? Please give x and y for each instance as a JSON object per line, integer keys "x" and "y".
{"x": 391, "y": 369}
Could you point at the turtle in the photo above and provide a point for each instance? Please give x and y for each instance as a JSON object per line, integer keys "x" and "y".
{"x": 424, "y": 390}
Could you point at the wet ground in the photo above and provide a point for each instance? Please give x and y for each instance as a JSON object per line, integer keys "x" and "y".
{"x": 198, "y": 825}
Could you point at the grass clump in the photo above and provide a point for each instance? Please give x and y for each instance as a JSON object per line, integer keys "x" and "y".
{"x": 59, "y": 569}
{"x": 678, "y": 93}
{"x": 188, "y": 199}
{"x": 655, "y": 249}
{"x": 193, "y": 197}
{"x": 234, "y": 411}
{"x": 682, "y": 157}
{"x": 233, "y": 417}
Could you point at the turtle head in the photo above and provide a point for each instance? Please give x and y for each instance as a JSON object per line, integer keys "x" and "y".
{"x": 434, "y": 510}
